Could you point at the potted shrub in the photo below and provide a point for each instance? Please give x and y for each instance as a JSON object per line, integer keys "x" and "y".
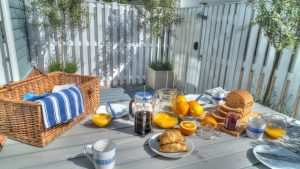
{"x": 160, "y": 75}
{"x": 159, "y": 17}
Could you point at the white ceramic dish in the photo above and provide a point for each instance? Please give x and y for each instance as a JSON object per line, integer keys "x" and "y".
{"x": 119, "y": 109}
{"x": 275, "y": 163}
{"x": 154, "y": 146}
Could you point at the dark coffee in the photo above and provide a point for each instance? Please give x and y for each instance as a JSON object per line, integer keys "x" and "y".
{"x": 143, "y": 122}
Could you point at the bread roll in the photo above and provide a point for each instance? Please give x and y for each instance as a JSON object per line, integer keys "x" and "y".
{"x": 171, "y": 136}
{"x": 173, "y": 148}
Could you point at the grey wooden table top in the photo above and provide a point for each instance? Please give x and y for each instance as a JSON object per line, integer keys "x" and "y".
{"x": 133, "y": 150}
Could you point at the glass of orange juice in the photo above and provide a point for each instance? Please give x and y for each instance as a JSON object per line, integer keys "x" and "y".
{"x": 276, "y": 126}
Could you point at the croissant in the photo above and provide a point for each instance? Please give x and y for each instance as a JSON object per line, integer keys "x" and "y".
{"x": 171, "y": 136}
{"x": 173, "y": 148}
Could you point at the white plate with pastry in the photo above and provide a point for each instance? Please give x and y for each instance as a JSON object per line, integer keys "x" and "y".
{"x": 172, "y": 150}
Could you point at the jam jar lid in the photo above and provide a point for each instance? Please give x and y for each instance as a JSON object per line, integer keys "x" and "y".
{"x": 143, "y": 96}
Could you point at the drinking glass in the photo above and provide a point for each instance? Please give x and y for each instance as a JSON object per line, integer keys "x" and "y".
{"x": 276, "y": 125}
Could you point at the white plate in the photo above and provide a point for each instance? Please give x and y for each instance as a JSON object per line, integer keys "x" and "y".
{"x": 120, "y": 110}
{"x": 275, "y": 163}
{"x": 154, "y": 145}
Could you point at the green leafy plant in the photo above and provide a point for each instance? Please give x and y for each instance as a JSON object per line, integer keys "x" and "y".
{"x": 159, "y": 66}
{"x": 54, "y": 66}
{"x": 71, "y": 67}
{"x": 280, "y": 22}
{"x": 57, "y": 13}
{"x": 159, "y": 17}
{"x": 124, "y": 1}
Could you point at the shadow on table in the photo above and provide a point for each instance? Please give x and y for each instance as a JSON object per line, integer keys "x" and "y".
{"x": 82, "y": 161}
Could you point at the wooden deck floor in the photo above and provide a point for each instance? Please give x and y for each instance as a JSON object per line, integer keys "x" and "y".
{"x": 133, "y": 152}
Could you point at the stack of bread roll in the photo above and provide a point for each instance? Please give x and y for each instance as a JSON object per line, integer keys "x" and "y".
{"x": 238, "y": 101}
{"x": 171, "y": 141}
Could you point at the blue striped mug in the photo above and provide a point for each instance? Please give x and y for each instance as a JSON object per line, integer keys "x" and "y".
{"x": 256, "y": 128}
{"x": 102, "y": 154}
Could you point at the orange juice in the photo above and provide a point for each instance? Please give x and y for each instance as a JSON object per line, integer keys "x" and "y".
{"x": 165, "y": 120}
{"x": 275, "y": 132}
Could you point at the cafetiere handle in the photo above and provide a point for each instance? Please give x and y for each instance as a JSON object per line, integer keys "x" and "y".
{"x": 130, "y": 107}
{"x": 88, "y": 155}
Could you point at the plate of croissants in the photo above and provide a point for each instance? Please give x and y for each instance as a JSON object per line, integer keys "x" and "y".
{"x": 171, "y": 144}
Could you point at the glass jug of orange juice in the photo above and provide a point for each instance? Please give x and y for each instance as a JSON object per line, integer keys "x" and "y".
{"x": 164, "y": 116}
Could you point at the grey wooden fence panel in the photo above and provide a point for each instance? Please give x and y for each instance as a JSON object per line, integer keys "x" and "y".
{"x": 237, "y": 56}
{"x": 112, "y": 46}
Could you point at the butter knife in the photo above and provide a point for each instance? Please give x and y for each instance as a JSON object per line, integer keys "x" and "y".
{"x": 113, "y": 113}
{"x": 279, "y": 157}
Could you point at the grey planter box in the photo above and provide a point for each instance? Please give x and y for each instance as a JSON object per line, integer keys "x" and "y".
{"x": 158, "y": 79}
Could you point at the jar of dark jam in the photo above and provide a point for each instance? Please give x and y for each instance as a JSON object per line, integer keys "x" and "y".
{"x": 231, "y": 122}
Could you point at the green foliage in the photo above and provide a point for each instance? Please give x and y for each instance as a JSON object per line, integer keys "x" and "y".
{"x": 54, "y": 66}
{"x": 108, "y": 0}
{"x": 71, "y": 67}
{"x": 124, "y": 1}
{"x": 55, "y": 12}
{"x": 160, "y": 14}
{"x": 161, "y": 65}
{"x": 280, "y": 21}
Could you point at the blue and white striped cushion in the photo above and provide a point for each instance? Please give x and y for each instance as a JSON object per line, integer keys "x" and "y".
{"x": 62, "y": 106}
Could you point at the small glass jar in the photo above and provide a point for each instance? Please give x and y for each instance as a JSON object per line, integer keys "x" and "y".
{"x": 231, "y": 122}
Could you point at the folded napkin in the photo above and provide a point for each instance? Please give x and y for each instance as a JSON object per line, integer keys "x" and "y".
{"x": 214, "y": 90}
{"x": 62, "y": 106}
{"x": 31, "y": 96}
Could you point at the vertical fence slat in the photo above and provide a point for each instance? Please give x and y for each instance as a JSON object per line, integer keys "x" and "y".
{"x": 92, "y": 42}
{"x": 127, "y": 38}
{"x": 251, "y": 47}
{"x": 258, "y": 62}
{"x": 188, "y": 57}
{"x": 280, "y": 74}
{"x": 195, "y": 62}
{"x": 235, "y": 42}
{"x": 201, "y": 52}
{"x": 209, "y": 49}
{"x": 242, "y": 47}
{"x": 228, "y": 37}
{"x": 215, "y": 47}
{"x": 221, "y": 45}
{"x": 294, "y": 78}
{"x": 114, "y": 49}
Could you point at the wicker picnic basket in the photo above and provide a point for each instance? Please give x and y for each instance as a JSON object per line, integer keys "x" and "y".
{"x": 23, "y": 121}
